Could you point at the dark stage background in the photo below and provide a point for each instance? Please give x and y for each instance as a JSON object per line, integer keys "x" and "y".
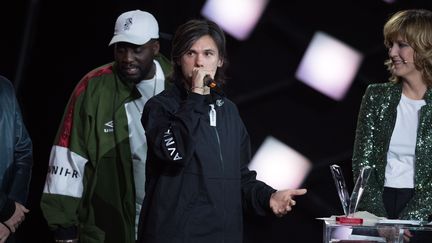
{"x": 47, "y": 46}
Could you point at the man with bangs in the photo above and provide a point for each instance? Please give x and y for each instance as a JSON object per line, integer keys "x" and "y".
{"x": 198, "y": 183}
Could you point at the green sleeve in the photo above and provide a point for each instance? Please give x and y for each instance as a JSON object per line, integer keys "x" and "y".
{"x": 365, "y": 154}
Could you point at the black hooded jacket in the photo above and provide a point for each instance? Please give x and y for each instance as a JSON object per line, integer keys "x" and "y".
{"x": 198, "y": 182}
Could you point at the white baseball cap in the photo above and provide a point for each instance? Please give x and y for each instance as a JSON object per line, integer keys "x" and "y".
{"x": 136, "y": 27}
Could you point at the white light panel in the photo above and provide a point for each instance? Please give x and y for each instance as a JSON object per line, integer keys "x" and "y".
{"x": 236, "y": 17}
{"x": 329, "y": 66}
{"x": 279, "y": 166}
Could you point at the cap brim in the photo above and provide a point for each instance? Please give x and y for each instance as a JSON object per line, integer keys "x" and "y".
{"x": 128, "y": 39}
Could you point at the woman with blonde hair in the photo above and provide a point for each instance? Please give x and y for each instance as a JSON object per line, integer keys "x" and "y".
{"x": 394, "y": 129}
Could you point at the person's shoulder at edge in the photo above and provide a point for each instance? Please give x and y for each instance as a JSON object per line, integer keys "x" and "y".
{"x": 7, "y": 90}
{"x": 381, "y": 88}
{"x": 93, "y": 75}
{"x": 103, "y": 69}
{"x": 5, "y": 82}
{"x": 382, "y": 85}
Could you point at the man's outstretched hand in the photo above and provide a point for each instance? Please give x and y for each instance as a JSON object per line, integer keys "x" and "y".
{"x": 281, "y": 202}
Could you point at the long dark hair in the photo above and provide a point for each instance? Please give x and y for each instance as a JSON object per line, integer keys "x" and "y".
{"x": 187, "y": 34}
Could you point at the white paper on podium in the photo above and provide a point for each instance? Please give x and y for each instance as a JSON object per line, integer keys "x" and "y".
{"x": 369, "y": 219}
{"x": 367, "y": 238}
{"x": 400, "y": 222}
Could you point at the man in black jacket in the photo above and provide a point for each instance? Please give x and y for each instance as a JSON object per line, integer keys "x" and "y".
{"x": 16, "y": 160}
{"x": 197, "y": 179}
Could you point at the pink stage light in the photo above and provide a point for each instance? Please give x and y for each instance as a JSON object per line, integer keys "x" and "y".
{"x": 329, "y": 66}
{"x": 279, "y": 166}
{"x": 236, "y": 17}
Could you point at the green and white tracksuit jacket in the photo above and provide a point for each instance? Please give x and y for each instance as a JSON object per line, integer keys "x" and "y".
{"x": 89, "y": 187}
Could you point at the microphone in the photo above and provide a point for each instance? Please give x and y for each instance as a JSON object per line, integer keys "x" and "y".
{"x": 214, "y": 86}
{"x": 208, "y": 81}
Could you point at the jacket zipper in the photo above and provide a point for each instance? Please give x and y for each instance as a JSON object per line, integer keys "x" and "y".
{"x": 212, "y": 115}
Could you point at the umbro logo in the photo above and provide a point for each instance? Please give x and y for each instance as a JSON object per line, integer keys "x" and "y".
{"x": 109, "y": 127}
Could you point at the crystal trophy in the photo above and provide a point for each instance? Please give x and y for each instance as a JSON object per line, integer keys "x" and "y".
{"x": 349, "y": 204}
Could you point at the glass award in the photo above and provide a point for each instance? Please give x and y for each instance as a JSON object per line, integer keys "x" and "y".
{"x": 349, "y": 204}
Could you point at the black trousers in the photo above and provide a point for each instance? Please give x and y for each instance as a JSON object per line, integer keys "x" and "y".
{"x": 395, "y": 200}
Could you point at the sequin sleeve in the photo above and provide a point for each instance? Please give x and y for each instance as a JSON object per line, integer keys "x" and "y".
{"x": 420, "y": 206}
{"x": 367, "y": 150}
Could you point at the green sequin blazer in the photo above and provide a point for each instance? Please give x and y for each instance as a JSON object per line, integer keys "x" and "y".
{"x": 375, "y": 126}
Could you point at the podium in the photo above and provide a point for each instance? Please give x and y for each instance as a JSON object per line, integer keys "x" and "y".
{"x": 363, "y": 227}
{"x": 389, "y": 231}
